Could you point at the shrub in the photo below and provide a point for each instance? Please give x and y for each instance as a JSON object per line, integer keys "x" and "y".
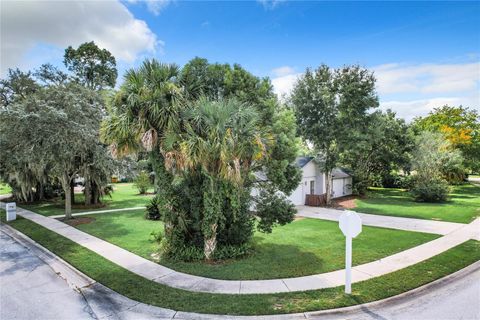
{"x": 156, "y": 236}
{"x": 193, "y": 253}
{"x": 273, "y": 208}
{"x": 107, "y": 191}
{"x": 142, "y": 182}
{"x": 152, "y": 212}
{"x": 430, "y": 190}
{"x": 395, "y": 180}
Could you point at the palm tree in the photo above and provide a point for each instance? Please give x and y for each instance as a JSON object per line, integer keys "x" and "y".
{"x": 220, "y": 139}
{"x": 145, "y": 107}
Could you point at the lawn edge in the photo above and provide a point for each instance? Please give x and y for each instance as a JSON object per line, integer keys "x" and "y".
{"x": 58, "y": 265}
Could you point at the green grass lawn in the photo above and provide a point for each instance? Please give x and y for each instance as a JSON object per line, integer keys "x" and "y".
{"x": 146, "y": 291}
{"x": 5, "y": 188}
{"x": 462, "y": 206}
{"x": 304, "y": 247}
{"x": 125, "y": 195}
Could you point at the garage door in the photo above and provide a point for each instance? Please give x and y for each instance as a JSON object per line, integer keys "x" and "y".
{"x": 337, "y": 188}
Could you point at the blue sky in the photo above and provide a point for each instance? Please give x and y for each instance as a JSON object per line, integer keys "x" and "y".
{"x": 424, "y": 54}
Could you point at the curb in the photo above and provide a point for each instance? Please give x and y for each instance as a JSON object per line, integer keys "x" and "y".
{"x": 78, "y": 281}
{"x": 402, "y": 297}
{"x": 74, "y": 278}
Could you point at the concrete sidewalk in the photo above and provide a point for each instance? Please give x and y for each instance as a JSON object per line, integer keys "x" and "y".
{"x": 172, "y": 278}
{"x": 96, "y": 212}
{"x": 408, "y": 224}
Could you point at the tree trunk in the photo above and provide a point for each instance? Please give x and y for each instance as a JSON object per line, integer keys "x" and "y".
{"x": 88, "y": 192}
{"x": 95, "y": 193}
{"x": 72, "y": 191}
{"x": 210, "y": 243}
{"x": 328, "y": 187}
{"x": 67, "y": 187}
{"x": 41, "y": 192}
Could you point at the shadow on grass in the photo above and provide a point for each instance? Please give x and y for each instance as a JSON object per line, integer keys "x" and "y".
{"x": 267, "y": 261}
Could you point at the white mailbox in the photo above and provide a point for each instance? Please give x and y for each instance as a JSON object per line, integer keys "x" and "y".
{"x": 11, "y": 211}
{"x": 351, "y": 226}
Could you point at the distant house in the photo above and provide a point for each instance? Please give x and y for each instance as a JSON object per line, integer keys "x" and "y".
{"x": 313, "y": 181}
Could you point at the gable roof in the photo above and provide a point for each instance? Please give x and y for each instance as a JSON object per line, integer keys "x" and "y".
{"x": 339, "y": 173}
{"x": 302, "y": 161}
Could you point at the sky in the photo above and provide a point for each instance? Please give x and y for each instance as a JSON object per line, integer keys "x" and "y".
{"x": 423, "y": 54}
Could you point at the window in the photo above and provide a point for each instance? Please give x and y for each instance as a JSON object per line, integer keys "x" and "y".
{"x": 312, "y": 187}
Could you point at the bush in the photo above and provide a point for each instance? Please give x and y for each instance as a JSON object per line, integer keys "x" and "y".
{"x": 142, "y": 182}
{"x": 432, "y": 190}
{"x": 193, "y": 253}
{"x": 395, "y": 180}
{"x": 273, "y": 208}
{"x": 156, "y": 236}
{"x": 152, "y": 212}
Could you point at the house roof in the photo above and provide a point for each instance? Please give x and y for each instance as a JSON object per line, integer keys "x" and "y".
{"x": 302, "y": 161}
{"x": 339, "y": 173}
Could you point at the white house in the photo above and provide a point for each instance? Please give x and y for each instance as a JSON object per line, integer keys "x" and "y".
{"x": 313, "y": 181}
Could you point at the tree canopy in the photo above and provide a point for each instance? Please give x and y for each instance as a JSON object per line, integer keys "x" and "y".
{"x": 51, "y": 133}
{"x": 332, "y": 108}
{"x": 209, "y": 128}
{"x": 93, "y": 67}
{"x": 56, "y": 116}
{"x": 460, "y": 126}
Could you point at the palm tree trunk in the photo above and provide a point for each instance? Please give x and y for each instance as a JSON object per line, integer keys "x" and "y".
{"x": 210, "y": 243}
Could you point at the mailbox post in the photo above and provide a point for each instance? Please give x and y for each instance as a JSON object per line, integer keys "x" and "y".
{"x": 351, "y": 226}
{"x": 11, "y": 211}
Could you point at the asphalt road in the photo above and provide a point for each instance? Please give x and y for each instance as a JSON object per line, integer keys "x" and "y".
{"x": 458, "y": 300}
{"x": 30, "y": 289}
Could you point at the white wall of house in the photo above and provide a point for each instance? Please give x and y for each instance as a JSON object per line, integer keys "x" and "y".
{"x": 312, "y": 173}
{"x": 342, "y": 187}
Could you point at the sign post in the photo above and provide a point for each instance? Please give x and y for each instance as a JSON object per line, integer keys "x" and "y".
{"x": 351, "y": 226}
{"x": 11, "y": 209}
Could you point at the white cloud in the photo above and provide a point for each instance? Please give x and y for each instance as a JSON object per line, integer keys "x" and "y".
{"x": 411, "y": 90}
{"x": 410, "y": 109}
{"x": 282, "y": 86}
{"x": 154, "y": 6}
{"x": 283, "y": 80}
{"x": 270, "y": 4}
{"x": 427, "y": 78}
{"x": 430, "y": 86}
{"x": 27, "y": 24}
{"x": 283, "y": 71}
